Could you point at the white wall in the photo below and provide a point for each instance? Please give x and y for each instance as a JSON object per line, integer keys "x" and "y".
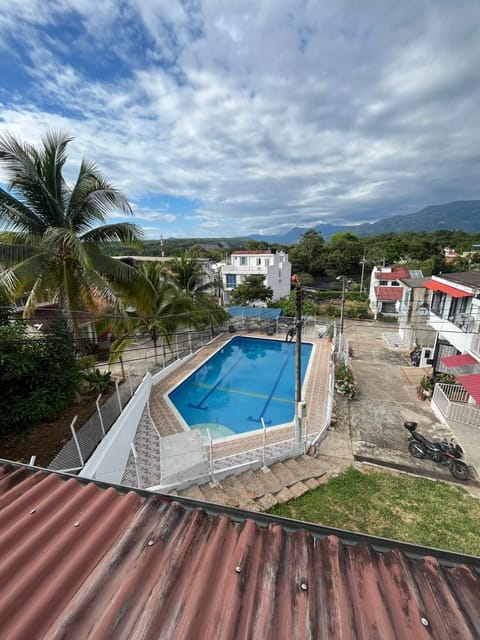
{"x": 109, "y": 460}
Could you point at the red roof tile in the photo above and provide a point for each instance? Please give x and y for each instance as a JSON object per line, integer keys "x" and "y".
{"x": 388, "y": 294}
{"x": 434, "y": 285}
{"x": 395, "y": 274}
{"x": 471, "y": 383}
{"x": 82, "y": 560}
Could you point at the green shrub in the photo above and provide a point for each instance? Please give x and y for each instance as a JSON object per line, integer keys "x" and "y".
{"x": 345, "y": 382}
{"x": 39, "y": 375}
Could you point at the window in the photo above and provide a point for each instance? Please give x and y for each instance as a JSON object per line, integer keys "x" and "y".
{"x": 438, "y": 303}
{"x": 231, "y": 280}
{"x": 383, "y": 283}
{"x": 243, "y": 261}
{"x": 259, "y": 262}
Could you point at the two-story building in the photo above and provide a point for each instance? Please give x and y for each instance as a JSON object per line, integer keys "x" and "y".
{"x": 455, "y": 316}
{"x": 270, "y": 263}
{"x": 385, "y": 291}
{"x": 413, "y": 315}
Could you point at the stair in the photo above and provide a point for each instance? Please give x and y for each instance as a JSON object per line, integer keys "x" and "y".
{"x": 262, "y": 489}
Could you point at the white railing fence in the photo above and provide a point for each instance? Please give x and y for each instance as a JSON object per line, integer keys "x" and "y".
{"x": 451, "y": 401}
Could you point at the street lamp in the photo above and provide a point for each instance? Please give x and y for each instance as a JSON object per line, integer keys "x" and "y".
{"x": 342, "y": 308}
{"x": 298, "y": 357}
{"x": 345, "y": 282}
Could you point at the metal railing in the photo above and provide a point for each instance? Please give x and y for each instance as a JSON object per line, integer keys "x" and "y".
{"x": 452, "y": 402}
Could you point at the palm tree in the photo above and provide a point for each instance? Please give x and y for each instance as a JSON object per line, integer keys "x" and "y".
{"x": 157, "y": 307}
{"x": 56, "y": 247}
{"x": 187, "y": 273}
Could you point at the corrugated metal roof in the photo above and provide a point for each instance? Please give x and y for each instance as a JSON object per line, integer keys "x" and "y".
{"x": 435, "y": 285}
{"x": 471, "y": 383}
{"x": 395, "y": 274}
{"x": 82, "y": 560}
{"x": 385, "y": 294}
{"x": 458, "y": 361}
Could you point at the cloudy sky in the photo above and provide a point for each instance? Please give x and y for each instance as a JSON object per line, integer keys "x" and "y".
{"x": 225, "y": 118}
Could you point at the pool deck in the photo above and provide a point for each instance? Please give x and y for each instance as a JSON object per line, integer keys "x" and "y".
{"x": 315, "y": 397}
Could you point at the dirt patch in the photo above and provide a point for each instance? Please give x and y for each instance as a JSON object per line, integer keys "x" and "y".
{"x": 46, "y": 439}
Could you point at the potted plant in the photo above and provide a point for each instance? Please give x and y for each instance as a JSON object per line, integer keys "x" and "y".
{"x": 427, "y": 384}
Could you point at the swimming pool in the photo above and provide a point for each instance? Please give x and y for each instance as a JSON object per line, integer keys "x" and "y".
{"x": 246, "y": 380}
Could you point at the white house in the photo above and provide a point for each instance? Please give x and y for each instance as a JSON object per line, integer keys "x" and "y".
{"x": 273, "y": 264}
{"x": 385, "y": 290}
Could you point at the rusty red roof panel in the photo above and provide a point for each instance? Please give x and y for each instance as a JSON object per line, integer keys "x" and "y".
{"x": 80, "y": 560}
{"x": 461, "y": 360}
{"x": 471, "y": 383}
{"x": 387, "y": 294}
{"x": 435, "y": 285}
{"x": 395, "y": 274}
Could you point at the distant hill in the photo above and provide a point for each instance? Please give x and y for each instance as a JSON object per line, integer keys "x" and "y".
{"x": 462, "y": 215}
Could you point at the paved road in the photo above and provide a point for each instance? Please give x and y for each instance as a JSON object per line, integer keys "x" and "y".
{"x": 371, "y": 426}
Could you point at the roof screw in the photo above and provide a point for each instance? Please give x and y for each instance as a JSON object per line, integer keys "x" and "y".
{"x": 33, "y": 511}
{"x": 303, "y": 586}
{"x": 424, "y": 621}
{"x": 76, "y": 524}
{"x": 150, "y": 543}
{"x": 238, "y": 569}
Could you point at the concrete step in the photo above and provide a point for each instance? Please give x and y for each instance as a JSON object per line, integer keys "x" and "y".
{"x": 315, "y": 466}
{"x": 215, "y": 494}
{"x": 298, "y": 489}
{"x": 301, "y": 471}
{"x": 269, "y": 480}
{"x": 238, "y": 495}
{"x": 192, "y": 492}
{"x": 285, "y": 475}
{"x": 267, "y": 501}
{"x": 284, "y": 495}
{"x": 252, "y": 484}
{"x": 313, "y": 483}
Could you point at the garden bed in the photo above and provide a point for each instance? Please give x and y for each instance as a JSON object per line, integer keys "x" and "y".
{"x": 47, "y": 438}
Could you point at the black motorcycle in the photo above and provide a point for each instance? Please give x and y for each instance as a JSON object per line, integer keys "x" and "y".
{"x": 444, "y": 452}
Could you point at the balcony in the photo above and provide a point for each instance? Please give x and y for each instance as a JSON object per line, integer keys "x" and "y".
{"x": 451, "y": 402}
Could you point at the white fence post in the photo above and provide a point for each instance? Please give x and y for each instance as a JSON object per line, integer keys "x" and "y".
{"x": 212, "y": 479}
{"x": 118, "y": 396}
{"x": 264, "y": 466}
{"x": 77, "y": 444}
{"x": 100, "y": 417}
{"x": 137, "y": 469}
{"x": 130, "y": 382}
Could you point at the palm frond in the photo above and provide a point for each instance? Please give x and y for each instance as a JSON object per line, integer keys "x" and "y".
{"x": 53, "y": 159}
{"x": 125, "y": 232}
{"x": 16, "y": 216}
{"x": 11, "y": 254}
{"x": 24, "y": 166}
{"x": 22, "y": 276}
{"x": 93, "y": 198}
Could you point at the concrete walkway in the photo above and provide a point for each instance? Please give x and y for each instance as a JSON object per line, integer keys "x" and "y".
{"x": 386, "y": 398}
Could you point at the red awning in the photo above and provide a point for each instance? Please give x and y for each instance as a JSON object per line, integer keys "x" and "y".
{"x": 445, "y": 288}
{"x": 458, "y": 361}
{"x": 471, "y": 383}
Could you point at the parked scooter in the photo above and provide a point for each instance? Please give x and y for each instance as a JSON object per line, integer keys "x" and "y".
{"x": 444, "y": 452}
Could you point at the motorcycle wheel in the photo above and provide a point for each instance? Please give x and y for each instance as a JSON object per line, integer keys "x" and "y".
{"x": 459, "y": 470}
{"x": 417, "y": 449}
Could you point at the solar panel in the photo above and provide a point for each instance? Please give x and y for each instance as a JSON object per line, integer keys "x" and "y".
{"x": 416, "y": 273}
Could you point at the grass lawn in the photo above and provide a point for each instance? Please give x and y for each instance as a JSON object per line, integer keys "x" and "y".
{"x": 395, "y": 506}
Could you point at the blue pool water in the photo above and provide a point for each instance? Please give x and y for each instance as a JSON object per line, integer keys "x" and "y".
{"x": 249, "y": 378}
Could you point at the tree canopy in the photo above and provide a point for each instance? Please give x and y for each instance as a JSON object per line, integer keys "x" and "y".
{"x": 57, "y": 231}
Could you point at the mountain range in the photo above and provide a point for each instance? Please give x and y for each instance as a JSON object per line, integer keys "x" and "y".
{"x": 461, "y": 215}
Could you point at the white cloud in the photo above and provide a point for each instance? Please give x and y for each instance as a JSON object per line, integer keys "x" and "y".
{"x": 269, "y": 115}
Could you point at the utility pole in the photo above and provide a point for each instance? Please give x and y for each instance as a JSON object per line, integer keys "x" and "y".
{"x": 362, "y": 262}
{"x": 298, "y": 359}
